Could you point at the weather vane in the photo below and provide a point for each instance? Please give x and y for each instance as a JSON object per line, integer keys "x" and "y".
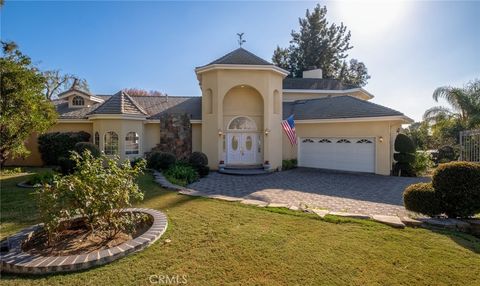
{"x": 240, "y": 39}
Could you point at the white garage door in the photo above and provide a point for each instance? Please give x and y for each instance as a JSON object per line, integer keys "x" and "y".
{"x": 347, "y": 154}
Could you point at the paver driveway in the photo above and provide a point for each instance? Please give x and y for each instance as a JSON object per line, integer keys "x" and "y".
{"x": 334, "y": 191}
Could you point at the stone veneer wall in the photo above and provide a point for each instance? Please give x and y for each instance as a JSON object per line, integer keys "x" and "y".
{"x": 175, "y": 135}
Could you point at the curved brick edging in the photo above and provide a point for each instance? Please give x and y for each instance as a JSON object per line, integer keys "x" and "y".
{"x": 17, "y": 261}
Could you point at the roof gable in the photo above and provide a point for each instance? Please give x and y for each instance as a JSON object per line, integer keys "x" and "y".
{"x": 240, "y": 56}
{"x": 120, "y": 103}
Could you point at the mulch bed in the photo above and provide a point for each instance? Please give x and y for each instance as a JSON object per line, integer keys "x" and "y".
{"x": 78, "y": 239}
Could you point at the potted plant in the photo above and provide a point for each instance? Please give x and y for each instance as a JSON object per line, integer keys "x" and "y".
{"x": 221, "y": 165}
{"x": 266, "y": 165}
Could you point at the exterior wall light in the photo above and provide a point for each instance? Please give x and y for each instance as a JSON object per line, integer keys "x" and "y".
{"x": 380, "y": 139}
{"x": 267, "y": 131}
{"x": 220, "y": 132}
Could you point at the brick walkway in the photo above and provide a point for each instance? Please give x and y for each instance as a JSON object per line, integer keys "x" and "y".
{"x": 334, "y": 191}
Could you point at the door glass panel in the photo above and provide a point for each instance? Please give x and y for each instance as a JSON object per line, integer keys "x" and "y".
{"x": 249, "y": 143}
{"x": 259, "y": 145}
{"x": 234, "y": 143}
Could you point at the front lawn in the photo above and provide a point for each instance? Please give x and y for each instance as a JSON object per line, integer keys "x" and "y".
{"x": 214, "y": 242}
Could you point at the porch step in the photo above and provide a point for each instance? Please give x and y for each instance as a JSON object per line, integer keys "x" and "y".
{"x": 243, "y": 171}
{"x": 244, "y": 167}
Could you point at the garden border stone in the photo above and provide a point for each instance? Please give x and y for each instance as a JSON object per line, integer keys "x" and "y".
{"x": 20, "y": 262}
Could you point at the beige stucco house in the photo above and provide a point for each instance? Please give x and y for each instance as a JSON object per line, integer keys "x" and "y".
{"x": 237, "y": 120}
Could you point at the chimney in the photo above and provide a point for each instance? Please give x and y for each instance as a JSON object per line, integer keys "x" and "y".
{"x": 313, "y": 73}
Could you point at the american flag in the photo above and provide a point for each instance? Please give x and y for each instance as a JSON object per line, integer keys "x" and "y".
{"x": 289, "y": 128}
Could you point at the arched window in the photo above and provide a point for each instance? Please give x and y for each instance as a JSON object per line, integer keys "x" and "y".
{"x": 111, "y": 143}
{"x": 131, "y": 143}
{"x": 242, "y": 123}
{"x": 97, "y": 139}
{"x": 78, "y": 101}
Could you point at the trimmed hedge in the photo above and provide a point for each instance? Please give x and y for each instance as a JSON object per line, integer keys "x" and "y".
{"x": 53, "y": 146}
{"x": 421, "y": 198}
{"x": 289, "y": 164}
{"x": 405, "y": 156}
{"x": 199, "y": 162}
{"x": 161, "y": 160}
{"x": 458, "y": 187}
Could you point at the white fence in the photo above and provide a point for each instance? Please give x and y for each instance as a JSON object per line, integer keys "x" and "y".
{"x": 470, "y": 145}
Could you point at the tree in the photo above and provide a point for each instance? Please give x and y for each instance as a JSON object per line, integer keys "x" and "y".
{"x": 23, "y": 107}
{"x": 142, "y": 92}
{"x": 56, "y": 83}
{"x": 464, "y": 104}
{"x": 321, "y": 45}
{"x": 419, "y": 133}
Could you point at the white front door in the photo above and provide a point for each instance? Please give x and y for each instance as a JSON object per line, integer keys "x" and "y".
{"x": 241, "y": 148}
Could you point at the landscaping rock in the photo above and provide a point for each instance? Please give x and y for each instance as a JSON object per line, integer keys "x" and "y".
{"x": 474, "y": 226}
{"x": 294, "y": 208}
{"x": 448, "y": 223}
{"x": 277, "y": 205}
{"x": 321, "y": 213}
{"x": 350, "y": 215}
{"x": 254, "y": 202}
{"x": 389, "y": 220}
{"x": 410, "y": 221}
{"x": 224, "y": 198}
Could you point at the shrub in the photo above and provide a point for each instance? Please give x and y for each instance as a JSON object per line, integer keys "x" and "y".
{"x": 98, "y": 191}
{"x": 181, "y": 174}
{"x": 421, "y": 198}
{"x": 446, "y": 154}
{"x": 41, "y": 179}
{"x": 54, "y": 145}
{"x": 423, "y": 162}
{"x": 80, "y": 147}
{"x": 289, "y": 164}
{"x": 458, "y": 187}
{"x": 405, "y": 156}
{"x": 199, "y": 162}
{"x": 138, "y": 161}
{"x": 161, "y": 160}
{"x": 67, "y": 165}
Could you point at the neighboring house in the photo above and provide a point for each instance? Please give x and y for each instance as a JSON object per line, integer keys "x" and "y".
{"x": 238, "y": 119}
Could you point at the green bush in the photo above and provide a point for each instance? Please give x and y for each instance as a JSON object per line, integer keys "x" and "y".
{"x": 421, "y": 198}
{"x": 181, "y": 174}
{"x": 53, "y": 146}
{"x": 423, "y": 162}
{"x": 161, "y": 160}
{"x": 67, "y": 165}
{"x": 405, "y": 156}
{"x": 41, "y": 179}
{"x": 289, "y": 164}
{"x": 446, "y": 154}
{"x": 80, "y": 147}
{"x": 199, "y": 162}
{"x": 458, "y": 187}
{"x": 97, "y": 191}
{"x": 138, "y": 161}
{"x": 198, "y": 159}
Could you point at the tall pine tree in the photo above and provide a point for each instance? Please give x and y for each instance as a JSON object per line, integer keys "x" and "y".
{"x": 319, "y": 44}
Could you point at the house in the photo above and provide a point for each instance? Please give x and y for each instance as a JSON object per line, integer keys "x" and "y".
{"x": 238, "y": 119}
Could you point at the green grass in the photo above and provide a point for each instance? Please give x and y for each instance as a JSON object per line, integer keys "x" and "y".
{"x": 216, "y": 243}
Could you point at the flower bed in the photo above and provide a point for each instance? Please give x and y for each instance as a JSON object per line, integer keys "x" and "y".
{"x": 15, "y": 260}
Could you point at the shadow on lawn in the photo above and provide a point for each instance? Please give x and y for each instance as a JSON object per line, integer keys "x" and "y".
{"x": 465, "y": 240}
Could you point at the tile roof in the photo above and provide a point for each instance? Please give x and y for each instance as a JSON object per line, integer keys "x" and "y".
{"x": 315, "y": 84}
{"x": 152, "y": 106}
{"x": 119, "y": 103}
{"x": 334, "y": 108}
{"x": 240, "y": 56}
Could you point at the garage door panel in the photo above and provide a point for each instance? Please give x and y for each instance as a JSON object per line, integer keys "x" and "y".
{"x": 346, "y": 154}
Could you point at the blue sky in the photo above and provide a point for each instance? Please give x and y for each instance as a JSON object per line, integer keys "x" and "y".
{"x": 409, "y": 47}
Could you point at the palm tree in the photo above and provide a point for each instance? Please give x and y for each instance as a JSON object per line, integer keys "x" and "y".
{"x": 464, "y": 105}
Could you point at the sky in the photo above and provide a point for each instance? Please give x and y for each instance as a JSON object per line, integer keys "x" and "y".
{"x": 409, "y": 47}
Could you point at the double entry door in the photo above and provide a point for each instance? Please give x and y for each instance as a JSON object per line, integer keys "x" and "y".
{"x": 241, "y": 148}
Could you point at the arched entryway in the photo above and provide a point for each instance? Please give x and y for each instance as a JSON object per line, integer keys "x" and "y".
{"x": 243, "y": 142}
